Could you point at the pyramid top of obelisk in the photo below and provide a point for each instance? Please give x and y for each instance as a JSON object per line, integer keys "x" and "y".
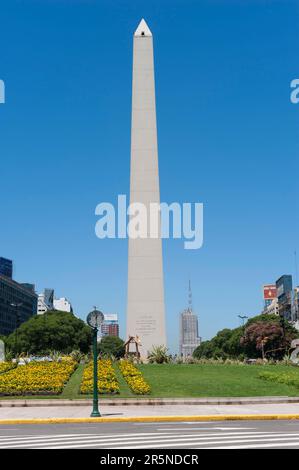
{"x": 143, "y": 29}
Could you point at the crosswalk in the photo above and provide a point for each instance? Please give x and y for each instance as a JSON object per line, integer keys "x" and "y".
{"x": 221, "y": 438}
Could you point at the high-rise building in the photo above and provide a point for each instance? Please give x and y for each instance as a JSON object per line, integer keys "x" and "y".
{"x": 63, "y": 305}
{"x": 145, "y": 308}
{"x": 17, "y": 304}
{"x": 270, "y": 293}
{"x": 110, "y": 327}
{"x": 270, "y": 299}
{"x": 6, "y": 267}
{"x": 189, "y": 338}
{"x": 45, "y": 301}
{"x": 284, "y": 286}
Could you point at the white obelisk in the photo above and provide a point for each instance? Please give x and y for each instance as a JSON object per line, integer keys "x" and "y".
{"x": 145, "y": 310}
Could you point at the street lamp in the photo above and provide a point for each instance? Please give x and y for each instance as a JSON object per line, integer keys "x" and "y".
{"x": 95, "y": 320}
{"x": 243, "y": 318}
{"x": 17, "y": 306}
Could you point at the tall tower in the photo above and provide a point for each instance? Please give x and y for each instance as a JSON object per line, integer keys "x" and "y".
{"x": 189, "y": 338}
{"x": 145, "y": 310}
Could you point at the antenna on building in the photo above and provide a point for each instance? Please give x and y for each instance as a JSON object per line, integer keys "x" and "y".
{"x": 190, "y": 297}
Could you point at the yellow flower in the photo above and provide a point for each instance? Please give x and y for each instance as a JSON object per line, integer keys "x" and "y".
{"x": 37, "y": 378}
{"x": 134, "y": 378}
{"x": 107, "y": 381}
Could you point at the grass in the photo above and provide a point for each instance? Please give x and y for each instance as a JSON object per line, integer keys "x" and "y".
{"x": 190, "y": 380}
{"x": 72, "y": 388}
{"x": 194, "y": 380}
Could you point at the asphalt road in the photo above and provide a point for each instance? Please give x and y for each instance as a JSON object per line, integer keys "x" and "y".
{"x": 166, "y": 435}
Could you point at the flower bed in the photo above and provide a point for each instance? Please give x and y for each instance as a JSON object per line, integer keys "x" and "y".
{"x": 134, "y": 378}
{"x": 37, "y": 378}
{"x": 6, "y": 366}
{"x": 107, "y": 381}
{"x": 288, "y": 378}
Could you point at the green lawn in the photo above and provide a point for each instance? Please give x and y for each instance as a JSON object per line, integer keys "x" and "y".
{"x": 191, "y": 380}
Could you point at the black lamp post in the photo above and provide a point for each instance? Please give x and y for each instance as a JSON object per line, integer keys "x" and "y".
{"x": 95, "y": 320}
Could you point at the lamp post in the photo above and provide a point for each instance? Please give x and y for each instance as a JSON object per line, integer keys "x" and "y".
{"x": 95, "y": 320}
{"x": 17, "y": 306}
{"x": 243, "y": 318}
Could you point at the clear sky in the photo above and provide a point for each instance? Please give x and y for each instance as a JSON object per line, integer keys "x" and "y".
{"x": 228, "y": 137}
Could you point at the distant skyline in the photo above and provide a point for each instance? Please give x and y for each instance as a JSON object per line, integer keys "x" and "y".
{"x": 228, "y": 137}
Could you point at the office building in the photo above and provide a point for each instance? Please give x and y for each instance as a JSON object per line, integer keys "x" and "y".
{"x": 6, "y": 267}
{"x": 110, "y": 327}
{"x": 63, "y": 305}
{"x": 45, "y": 301}
{"x": 284, "y": 295}
{"x": 18, "y": 303}
{"x": 189, "y": 338}
{"x": 270, "y": 294}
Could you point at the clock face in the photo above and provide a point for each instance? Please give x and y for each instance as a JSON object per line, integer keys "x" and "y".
{"x": 95, "y": 319}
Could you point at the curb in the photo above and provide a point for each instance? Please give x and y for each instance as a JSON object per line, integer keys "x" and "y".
{"x": 153, "y": 419}
{"x": 150, "y": 401}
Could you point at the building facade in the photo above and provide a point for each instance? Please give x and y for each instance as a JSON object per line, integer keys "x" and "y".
{"x": 284, "y": 286}
{"x": 272, "y": 308}
{"x": 6, "y": 267}
{"x": 110, "y": 327}
{"x": 63, "y": 305}
{"x": 189, "y": 338}
{"x": 18, "y": 303}
{"x": 45, "y": 301}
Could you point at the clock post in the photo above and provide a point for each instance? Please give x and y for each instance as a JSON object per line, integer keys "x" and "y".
{"x": 95, "y": 320}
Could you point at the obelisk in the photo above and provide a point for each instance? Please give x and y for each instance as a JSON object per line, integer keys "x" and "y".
{"x": 145, "y": 309}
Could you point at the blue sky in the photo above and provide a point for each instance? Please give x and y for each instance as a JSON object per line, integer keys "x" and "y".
{"x": 228, "y": 137}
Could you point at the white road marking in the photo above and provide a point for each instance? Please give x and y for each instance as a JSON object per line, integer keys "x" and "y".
{"x": 203, "y": 429}
{"x": 153, "y": 442}
{"x": 225, "y": 438}
{"x": 213, "y": 442}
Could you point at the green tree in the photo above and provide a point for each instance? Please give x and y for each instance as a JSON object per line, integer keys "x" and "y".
{"x": 112, "y": 346}
{"x": 267, "y": 339}
{"x": 245, "y": 340}
{"x": 52, "y": 331}
{"x": 204, "y": 350}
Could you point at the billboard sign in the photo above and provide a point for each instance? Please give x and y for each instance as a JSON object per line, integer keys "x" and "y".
{"x": 270, "y": 291}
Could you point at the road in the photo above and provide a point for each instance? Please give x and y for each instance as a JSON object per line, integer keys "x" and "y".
{"x": 166, "y": 435}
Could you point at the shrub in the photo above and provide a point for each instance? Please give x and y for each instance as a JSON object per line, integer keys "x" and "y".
{"x": 288, "y": 378}
{"x": 158, "y": 355}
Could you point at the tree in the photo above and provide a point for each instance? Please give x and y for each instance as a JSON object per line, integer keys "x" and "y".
{"x": 224, "y": 345}
{"x": 52, "y": 331}
{"x": 272, "y": 333}
{"x": 112, "y": 346}
{"x": 267, "y": 339}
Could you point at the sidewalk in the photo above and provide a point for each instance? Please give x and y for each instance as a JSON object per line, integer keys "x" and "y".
{"x": 151, "y": 413}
